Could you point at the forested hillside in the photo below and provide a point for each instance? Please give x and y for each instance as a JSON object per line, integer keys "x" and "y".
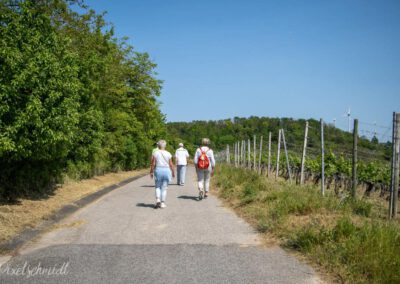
{"x": 74, "y": 99}
{"x": 223, "y": 132}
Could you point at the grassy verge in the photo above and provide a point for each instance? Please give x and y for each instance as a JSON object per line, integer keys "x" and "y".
{"x": 351, "y": 239}
{"x": 29, "y": 213}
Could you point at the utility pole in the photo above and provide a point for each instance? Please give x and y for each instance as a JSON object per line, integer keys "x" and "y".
{"x": 354, "y": 167}
{"x": 303, "y": 157}
{"x": 394, "y": 188}
{"x": 322, "y": 159}
{"x": 269, "y": 155}
{"x": 278, "y": 155}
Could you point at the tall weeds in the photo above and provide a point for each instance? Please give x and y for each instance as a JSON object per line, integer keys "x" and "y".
{"x": 345, "y": 236}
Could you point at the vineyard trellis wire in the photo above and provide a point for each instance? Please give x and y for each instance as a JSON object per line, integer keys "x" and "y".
{"x": 344, "y": 170}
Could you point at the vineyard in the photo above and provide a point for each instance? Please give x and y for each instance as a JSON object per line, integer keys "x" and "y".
{"x": 374, "y": 155}
{"x": 344, "y": 172}
{"x": 352, "y": 164}
{"x": 372, "y": 176}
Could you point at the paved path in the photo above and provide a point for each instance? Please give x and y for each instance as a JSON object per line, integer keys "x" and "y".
{"x": 121, "y": 239}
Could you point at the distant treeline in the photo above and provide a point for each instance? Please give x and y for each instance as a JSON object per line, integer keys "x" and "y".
{"x": 228, "y": 131}
{"x": 74, "y": 99}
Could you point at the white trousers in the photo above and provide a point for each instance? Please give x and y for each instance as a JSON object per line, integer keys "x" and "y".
{"x": 161, "y": 194}
{"x": 203, "y": 179}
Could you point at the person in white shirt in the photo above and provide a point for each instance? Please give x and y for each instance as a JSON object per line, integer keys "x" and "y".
{"x": 162, "y": 167}
{"x": 204, "y": 175}
{"x": 181, "y": 156}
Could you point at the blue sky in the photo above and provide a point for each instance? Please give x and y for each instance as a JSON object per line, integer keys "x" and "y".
{"x": 300, "y": 59}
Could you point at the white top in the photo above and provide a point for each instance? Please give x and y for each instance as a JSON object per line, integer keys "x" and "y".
{"x": 162, "y": 158}
{"x": 209, "y": 153}
{"x": 181, "y": 156}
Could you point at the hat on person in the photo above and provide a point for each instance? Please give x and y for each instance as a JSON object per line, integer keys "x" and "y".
{"x": 180, "y": 144}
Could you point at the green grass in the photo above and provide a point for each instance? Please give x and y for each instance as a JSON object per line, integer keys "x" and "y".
{"x": 347, "y": 237}
{"x": 365, "y": 253}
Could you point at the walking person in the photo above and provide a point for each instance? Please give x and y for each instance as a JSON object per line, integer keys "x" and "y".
{"x": 162, "y": 168}
{"x": 181, "y": 156}
{"x": 205, "y": 164}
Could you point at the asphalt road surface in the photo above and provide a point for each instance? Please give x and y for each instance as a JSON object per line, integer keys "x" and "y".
{"x": 120, "y": 238}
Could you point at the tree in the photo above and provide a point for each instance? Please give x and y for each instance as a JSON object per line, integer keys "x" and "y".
{"x": 39, "y": 90}
{"x": 74, "y": 99}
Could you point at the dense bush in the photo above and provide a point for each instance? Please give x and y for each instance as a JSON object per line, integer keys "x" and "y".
{"x": 73, "y": 98}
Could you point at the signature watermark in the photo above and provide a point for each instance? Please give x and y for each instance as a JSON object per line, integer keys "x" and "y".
{"x": 35, "y": 270}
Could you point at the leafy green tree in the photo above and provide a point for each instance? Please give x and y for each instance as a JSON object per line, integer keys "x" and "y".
{"x": 39, "y": 90}
{"x": 74, "y": 99}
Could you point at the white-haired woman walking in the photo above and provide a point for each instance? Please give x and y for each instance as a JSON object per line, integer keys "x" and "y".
{"x": 181, "y": 156}
{"x": 205, "y": 164}
{"x": 162, "y": 168}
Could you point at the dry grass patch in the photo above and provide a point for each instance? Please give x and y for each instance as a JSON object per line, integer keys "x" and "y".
{"x": 75, "y": 224}
{"x": 29, "y": 213}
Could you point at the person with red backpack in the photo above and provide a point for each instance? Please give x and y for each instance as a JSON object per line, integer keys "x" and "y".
{"x": 205, "y": 163}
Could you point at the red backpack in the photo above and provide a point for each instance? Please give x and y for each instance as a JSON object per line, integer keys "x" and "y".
{"x": 204, "y": 162}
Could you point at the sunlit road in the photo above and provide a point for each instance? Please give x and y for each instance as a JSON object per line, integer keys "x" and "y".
{"x": 120, "y": 238}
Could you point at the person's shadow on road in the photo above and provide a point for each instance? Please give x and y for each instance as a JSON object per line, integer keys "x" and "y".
{"x": 145, "y": 205}
{"x": 187, "y": 197}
